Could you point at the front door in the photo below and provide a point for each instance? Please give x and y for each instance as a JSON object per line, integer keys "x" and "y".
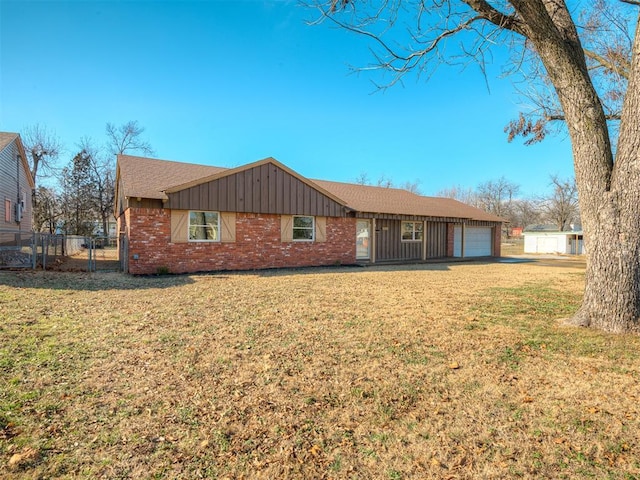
{"x": 363, "y": 240}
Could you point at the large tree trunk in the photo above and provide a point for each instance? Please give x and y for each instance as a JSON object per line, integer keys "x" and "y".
{"x": 609, "y": 193}
{"x": 612, "y": 294}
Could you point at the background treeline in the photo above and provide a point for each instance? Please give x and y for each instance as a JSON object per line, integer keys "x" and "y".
{"x": 558, "y": 207}
{"x": 76, "y": 197}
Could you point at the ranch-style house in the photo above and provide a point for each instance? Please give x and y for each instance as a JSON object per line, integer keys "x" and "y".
{"x": 180, "y": 217}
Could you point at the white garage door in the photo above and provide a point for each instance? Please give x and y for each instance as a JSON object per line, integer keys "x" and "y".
{"x": 477, "y": 242}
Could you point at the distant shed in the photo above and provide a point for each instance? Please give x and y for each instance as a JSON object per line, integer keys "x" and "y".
{"x": 567, "y": 243}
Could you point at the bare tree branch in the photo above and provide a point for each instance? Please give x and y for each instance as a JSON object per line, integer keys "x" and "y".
{"x": 488, "y": 12}
{"x": 43, "y": 148}
{"x": 127, "y": 138}
{"x": 620, "y": 68}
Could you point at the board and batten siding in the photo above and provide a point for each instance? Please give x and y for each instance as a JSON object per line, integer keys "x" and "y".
{"x": 436, "y": 240}
{"x": 261, "y": 189}
{"x": 389, "y": 244}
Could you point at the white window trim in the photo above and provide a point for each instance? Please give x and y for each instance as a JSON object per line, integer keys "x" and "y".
{"x": 414, "y": 231}
{"x": 313, "y": 228}
{"x": 205, "y": 240}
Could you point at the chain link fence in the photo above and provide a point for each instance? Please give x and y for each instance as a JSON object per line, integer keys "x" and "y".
{"x": 57, "y": 252}
{"x": 17, "y": 249}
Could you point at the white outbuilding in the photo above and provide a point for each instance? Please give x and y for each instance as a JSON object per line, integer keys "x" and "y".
{"x": 543, "y": 241}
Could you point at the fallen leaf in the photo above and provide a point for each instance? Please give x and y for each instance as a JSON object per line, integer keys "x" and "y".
{"x": 454, "y": 365}
{"x": 18, "y": 459}
{"x": 315, "y": 450}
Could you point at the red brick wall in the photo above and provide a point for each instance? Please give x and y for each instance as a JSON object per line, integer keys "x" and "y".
{"x": 257, "y": 245}
{"x": 497, "y": 240}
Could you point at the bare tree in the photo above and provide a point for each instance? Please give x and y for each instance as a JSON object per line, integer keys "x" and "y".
{"x": 384, "y": 182}
{"x": 497, "y": 196}
{"x": 561, "y": 205}
{"x": 413, "y": 187}
{"x": 46, "y": 211}
{"x": 77, "y": 196}
{"x": 127, "y": 138}
{"x": 363, "y": 179}
{"x": 465, "y": 195}
{"x": 43, "y": 148}
{"x": 608, "y": 179}
{"x": 607, "y": 39}
{"x": 101, "y": 173}
{"x": 525, "y": 212}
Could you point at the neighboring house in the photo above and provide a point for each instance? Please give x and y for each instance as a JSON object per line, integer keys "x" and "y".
{"x": 181, "y": 217}
{"x": 112, "y": 228}
{"x": 16, "y": 185}
{"x": 516, "y": 232}
{"x": 547, "y": 239}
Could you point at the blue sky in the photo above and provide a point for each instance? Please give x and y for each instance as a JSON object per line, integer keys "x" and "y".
{"x": 230, "y": 82}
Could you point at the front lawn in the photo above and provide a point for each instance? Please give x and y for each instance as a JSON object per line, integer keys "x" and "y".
{"x": 399, "y": 372}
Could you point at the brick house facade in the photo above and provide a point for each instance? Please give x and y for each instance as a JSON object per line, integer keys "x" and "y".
{"x": 258, "y": 245}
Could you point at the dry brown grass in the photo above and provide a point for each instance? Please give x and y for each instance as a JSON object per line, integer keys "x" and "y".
{"x": 430, "y": 371}
{"x": 104, "y": 259}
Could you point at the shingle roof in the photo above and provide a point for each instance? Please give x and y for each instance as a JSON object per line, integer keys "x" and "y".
{"x": 6, "y": 138}
{"x": 364, "y": 198}
{"x": 148, "y": 177}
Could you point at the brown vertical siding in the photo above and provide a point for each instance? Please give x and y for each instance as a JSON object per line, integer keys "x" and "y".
{"x": 385, "y": 241}
{"x": 240, "y": 204}
{"x": 436, "y": 240}
{"x": 389, "y": 244}
{"x": 264, "y": 188}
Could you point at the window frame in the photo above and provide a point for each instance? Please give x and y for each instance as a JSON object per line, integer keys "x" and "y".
{"x": 417, "y": 234}
{"x": 312, "y": 228}
{"x": 216, "y": 227}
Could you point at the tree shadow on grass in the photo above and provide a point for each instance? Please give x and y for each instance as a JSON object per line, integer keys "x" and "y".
{"x": 85, "y": 281}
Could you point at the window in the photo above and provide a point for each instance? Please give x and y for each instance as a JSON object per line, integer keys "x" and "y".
{"x": 7, "y": 210}
{"x": 303, "y": 228}
{"x": 204, "y": 227}
{"x": 411, "y": 231}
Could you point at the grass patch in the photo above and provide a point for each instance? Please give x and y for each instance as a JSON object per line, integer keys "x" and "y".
{"x": 391, "y": 372}
{"x": 538, "y": 301}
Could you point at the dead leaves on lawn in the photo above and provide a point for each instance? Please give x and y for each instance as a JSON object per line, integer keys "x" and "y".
{"x": 23, "y": 459}
{"x": 392, "y": 373}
